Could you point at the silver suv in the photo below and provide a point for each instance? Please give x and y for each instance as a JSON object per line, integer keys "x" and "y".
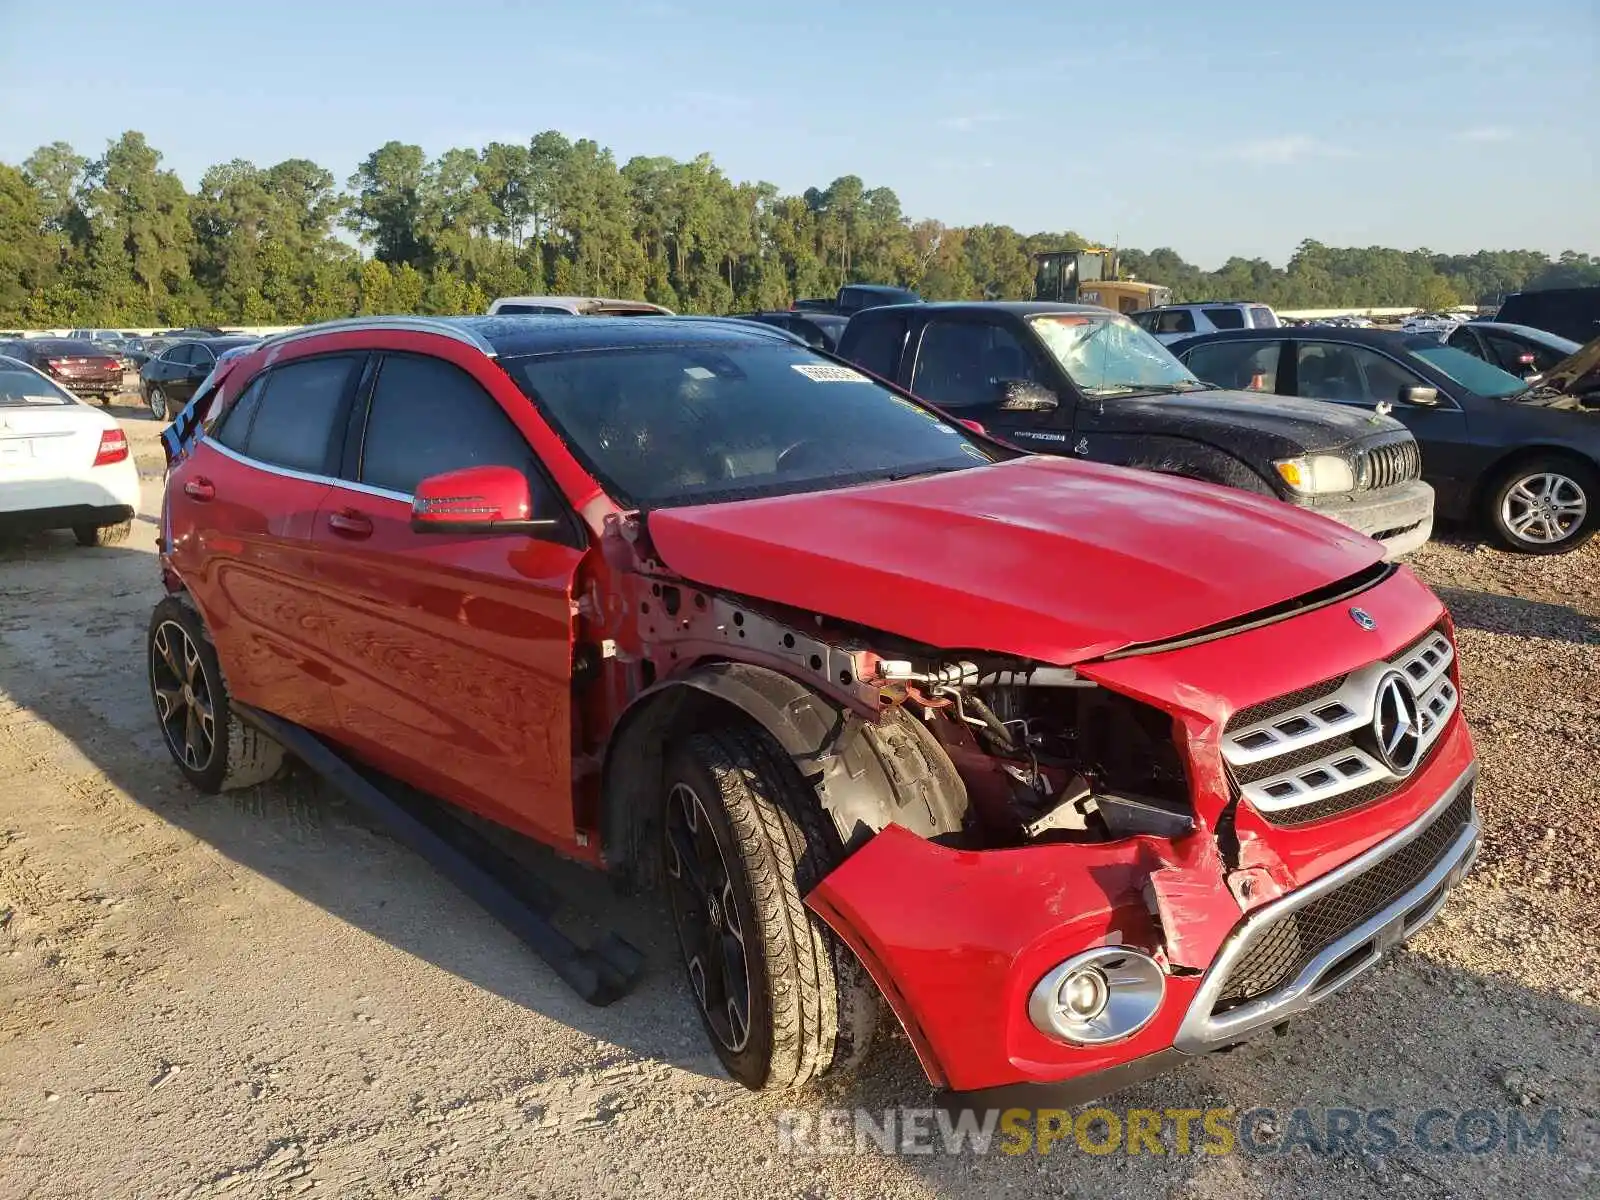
{"x": 1173, "y": 321}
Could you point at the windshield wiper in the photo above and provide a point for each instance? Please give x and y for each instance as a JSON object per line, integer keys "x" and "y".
{"x": 1152, "y": 389}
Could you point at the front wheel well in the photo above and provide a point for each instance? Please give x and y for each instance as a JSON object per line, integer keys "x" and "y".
{"x": 866, "y": 772}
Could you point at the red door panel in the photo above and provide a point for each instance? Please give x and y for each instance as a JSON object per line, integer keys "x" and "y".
{"x": 452, "y": 658}
{"x": 241, "y": 537}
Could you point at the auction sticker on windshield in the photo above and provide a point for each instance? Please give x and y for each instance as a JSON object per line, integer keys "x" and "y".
{"x": 825, "y": 373}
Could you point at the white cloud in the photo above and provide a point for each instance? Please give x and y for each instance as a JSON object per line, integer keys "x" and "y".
{"x": 968, "y": 122}
{"x": 1292, "y": 148}
{"x": 1485, "y": 133}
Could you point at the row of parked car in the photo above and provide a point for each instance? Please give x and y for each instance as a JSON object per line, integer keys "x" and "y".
{"x": 1464, "y": 427}
{"x": 1467, "y": 423}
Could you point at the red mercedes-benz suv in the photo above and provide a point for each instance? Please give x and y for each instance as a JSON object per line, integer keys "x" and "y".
{"x": 1080, "y": 769}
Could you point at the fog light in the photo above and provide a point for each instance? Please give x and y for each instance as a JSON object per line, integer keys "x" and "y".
{"x": 1084, "y": 993}
{"x": 1098, "y": 996}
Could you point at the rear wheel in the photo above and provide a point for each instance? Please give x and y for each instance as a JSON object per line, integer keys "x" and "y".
{"x": 102, "y": 535}
{"x": 1544, "y": 505}
{"x": 157, "y": 400}
{"x": 214, "y": 749}
{"x": 744, "y": 838}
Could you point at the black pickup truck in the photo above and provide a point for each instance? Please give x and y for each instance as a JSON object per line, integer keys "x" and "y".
{"x": 1085, "y": 381}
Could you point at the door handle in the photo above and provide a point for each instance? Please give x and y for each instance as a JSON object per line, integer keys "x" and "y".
{"x": 350, "y": 523}
{"x": 200, "y": 488}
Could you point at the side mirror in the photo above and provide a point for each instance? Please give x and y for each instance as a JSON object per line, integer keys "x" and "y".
{"x": 475, "y": 500}
{"x": 1023, "y": 395}
{"x": 1422, "y": 397}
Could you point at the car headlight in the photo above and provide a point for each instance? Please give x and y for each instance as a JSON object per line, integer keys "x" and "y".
{"x": 1317, "y": 474}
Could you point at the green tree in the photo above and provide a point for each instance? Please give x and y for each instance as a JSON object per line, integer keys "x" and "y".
{"x": 387, "y": 208}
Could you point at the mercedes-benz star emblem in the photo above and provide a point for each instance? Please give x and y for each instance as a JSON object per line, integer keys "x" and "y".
{"x": 1397, "y": 725}
{"x": 1364, "y": 619}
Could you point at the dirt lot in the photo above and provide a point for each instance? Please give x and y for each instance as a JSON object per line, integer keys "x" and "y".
{"x": 261, "y": 996}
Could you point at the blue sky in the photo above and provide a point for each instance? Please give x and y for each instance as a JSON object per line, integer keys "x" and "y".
{"x": 1216, "y": 127}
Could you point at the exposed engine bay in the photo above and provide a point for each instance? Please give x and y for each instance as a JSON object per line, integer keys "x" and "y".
{"x": 1042, "y": 754}
{"x": 1045, "y": 754}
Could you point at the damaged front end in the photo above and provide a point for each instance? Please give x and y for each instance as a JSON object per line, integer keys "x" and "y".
{"x": 1111, "y": 898}
{"x": 1054, "y": 871}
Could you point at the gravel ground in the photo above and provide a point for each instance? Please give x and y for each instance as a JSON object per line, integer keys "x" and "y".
{"x": 261, "y": 996}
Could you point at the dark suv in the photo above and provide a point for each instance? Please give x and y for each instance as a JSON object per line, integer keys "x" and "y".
{"x": 1084, "y": 381}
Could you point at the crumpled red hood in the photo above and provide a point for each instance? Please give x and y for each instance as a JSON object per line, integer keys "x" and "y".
{"x": 1045, "y": 558}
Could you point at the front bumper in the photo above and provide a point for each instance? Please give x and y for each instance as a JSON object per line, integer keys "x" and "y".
{"x": 1400, "y": 518}
{"x": 1390, "y": 892}
{"x": 957, "y": 940}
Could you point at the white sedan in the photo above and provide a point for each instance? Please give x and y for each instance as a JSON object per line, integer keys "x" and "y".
{"x": 63, "y": 464}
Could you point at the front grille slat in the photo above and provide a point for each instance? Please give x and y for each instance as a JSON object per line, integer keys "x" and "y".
{"x": 1274, "y": 800}
{"x": 1392, "y": 463}
{"x": 1287, "y": 946}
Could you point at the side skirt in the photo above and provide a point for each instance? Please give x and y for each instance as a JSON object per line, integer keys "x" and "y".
{"x": 600, "y": 973}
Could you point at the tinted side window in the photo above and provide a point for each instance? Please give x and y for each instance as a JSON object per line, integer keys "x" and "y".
{"x": 1353, "y": 374}
{"x": 1243, "y": 366}
{"x": 429, "y": 416}
{"x": 1518, "y": 358}
{"x": 298, "y": 411}
{"x": 960, "y": 363}
{"x": 178, "y": 354}
{"x": 1464, "y": 339}
{"x": 233, "y": 431}
{"x": 878, "y": 347}
{"x": 1177, "y": 320}
{"x": 1225, "y": 318}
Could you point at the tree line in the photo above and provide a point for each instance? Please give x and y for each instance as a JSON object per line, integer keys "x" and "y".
{"x": 117, "y": 240}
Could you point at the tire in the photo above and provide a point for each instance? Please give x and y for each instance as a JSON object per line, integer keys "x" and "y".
{"x": 758, "y": 842}
{"x": 1543, "y": 504}
{"x": 214, "y": 749}
{"x": 156, "y": 400}
{"x": 102, "y": 535}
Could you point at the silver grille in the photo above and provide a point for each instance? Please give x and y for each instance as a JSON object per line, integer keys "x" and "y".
{"x": 1392, "y": 463}
{"x": 1311, "y": 752}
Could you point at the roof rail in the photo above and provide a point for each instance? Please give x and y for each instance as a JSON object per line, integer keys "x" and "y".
{"x": 443, "y": 328}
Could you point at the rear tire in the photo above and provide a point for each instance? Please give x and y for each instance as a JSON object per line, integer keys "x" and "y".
{"x": 1543, "y": 504}
{"x": 744, "y": 839}
{"x": 215, "y": 750}
{"x": 157, "y": 401}
{"x": 102, "y": 535}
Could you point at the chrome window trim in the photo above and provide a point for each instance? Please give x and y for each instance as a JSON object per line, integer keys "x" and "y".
{"x": 1203, "y": 1029}
{"x": 304, "y": 476}
{"x": 385, "y": 324}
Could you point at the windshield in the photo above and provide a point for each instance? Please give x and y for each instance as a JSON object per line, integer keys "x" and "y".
{"x": 689, "y": 424}
{"x": 1110, "y": 355}
{"x": 1471, "y": 372}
